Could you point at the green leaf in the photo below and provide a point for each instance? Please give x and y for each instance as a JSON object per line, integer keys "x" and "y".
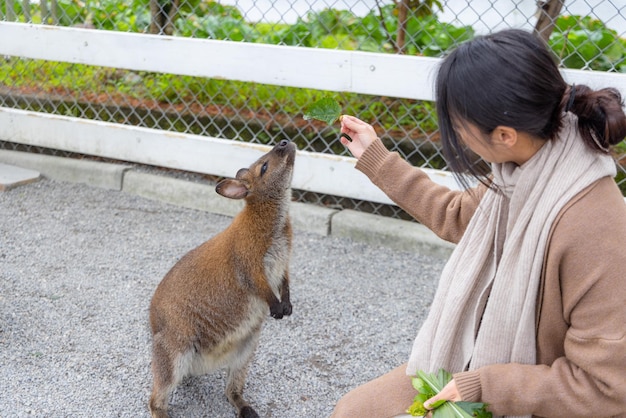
{"x": 417, "y": 409}
{"x": 448, "y": 410}
{"x": 422, "y": 397}
{"x": 435, "y": 382}
{"x": 327, "y": 110}
{"x": 418, "y": 384}
{"x": 437, "y": 404}
{"x": 475, "y": 409}
{"x": 443, "y": 377}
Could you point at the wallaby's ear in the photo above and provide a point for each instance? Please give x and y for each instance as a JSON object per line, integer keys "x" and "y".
{"x": 241, "y": 173}
{"x": 232, "y": 188}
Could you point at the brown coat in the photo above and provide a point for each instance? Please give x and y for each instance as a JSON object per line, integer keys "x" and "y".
{"x": 581, "y": 304}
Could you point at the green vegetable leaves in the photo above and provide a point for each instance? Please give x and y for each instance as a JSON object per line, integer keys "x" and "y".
{"x": 327, "y": 110}
{"x": 474, "y": 409}
{"x": 430, "y": 384}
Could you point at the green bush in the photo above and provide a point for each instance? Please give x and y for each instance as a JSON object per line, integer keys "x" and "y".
{"x": 584, "y": 42}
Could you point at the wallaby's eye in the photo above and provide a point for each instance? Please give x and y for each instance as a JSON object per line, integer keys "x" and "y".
{"x": 264, "y": 168}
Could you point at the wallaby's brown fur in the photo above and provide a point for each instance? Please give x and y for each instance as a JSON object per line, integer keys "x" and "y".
{"x": 208, "y": 311}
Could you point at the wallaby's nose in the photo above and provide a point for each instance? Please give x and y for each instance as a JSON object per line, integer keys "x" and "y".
{"x": 284, "y": 147}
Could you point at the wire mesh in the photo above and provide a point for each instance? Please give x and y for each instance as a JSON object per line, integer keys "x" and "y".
{"x": 584, "y": 34}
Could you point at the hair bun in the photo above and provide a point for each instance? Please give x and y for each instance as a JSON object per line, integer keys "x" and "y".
{"x": 600, "y": 113}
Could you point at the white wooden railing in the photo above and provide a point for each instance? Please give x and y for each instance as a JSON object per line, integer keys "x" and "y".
{"x": 323, "y": 69}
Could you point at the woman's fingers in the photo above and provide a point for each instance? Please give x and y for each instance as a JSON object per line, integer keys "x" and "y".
{"x": 353, "y": 123}
{"x": 449, "y": 393}
{"x": 344, "y": 140}
{"x": 346, "y": 137}
{"x": 356, "y": 135}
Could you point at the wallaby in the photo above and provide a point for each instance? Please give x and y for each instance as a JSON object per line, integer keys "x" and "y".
{"x": 208, "y": 311}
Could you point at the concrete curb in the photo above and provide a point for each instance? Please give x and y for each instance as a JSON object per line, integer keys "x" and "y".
{"x": 393, "y": 233}
{"x": 12, "y": 177}
{"x": 179, "y": 192}
{"x": 99, "y": 174}
{"x": 358, "y": 226}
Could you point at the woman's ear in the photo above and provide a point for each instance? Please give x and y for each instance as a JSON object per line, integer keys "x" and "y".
{"x": 504, "y": 136}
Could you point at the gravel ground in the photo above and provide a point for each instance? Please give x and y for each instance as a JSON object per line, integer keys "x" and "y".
{"x": 78, "y": 266}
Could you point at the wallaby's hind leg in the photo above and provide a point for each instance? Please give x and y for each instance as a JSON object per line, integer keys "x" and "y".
{"x": 234, "y": 392}
{"x": 236, "y": 376}
{"x": 166, "y": 376}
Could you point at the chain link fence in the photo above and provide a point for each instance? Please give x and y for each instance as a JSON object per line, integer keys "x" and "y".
{"x": 584, "y": 34}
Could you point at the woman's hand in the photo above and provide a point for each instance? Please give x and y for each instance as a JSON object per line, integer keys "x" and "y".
{"x": 361, "y": 133}
{"x": 448, "y": 393}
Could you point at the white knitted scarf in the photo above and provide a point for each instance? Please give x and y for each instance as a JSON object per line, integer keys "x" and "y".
{"x": 483, "y": 311}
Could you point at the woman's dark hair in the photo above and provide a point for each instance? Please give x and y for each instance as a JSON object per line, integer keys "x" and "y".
{"x": 510, "y": 78}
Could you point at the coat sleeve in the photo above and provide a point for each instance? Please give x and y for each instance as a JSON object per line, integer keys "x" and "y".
{"x": 584, "y": 294}
{"x": 446, "y": 212}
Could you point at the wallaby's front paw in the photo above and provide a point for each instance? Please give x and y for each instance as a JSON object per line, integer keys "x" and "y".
{"x": 287, "y": 308}
{"x": 248, "y": 412}
{"x": 280, "y": 309}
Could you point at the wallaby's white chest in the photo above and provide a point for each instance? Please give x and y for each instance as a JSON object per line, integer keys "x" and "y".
{"x": 276, "y": 261}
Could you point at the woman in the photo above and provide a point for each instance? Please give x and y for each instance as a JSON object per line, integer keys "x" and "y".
{"x": 530, "y": 312}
